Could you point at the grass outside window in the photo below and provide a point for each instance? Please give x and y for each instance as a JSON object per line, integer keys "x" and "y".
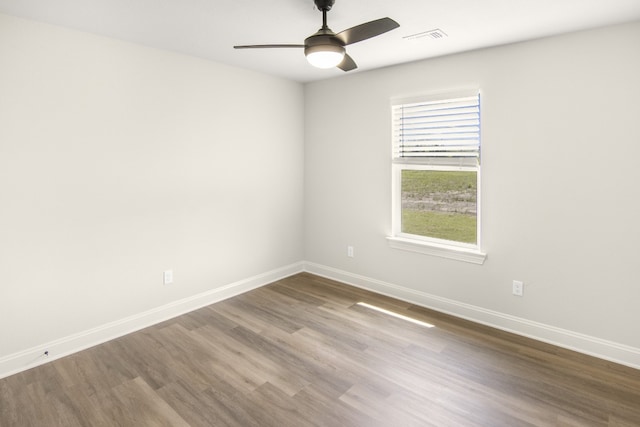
{"x": 440, "y": 204}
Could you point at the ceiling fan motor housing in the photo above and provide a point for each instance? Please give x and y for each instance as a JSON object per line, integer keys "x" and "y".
{"x": 323, "y": 41}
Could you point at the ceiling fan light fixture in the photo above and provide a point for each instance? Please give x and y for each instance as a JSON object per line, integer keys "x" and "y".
{"x": 324, "y": 55}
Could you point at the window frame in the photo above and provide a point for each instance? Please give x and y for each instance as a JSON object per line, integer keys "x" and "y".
{"x": 423, "y": 244}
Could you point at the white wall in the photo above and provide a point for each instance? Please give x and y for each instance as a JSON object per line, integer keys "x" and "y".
{"x": 119, "y": 161}
{"x": 560, "y": 198}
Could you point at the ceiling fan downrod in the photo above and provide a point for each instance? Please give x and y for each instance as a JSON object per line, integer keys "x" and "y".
{"x": 324, "y": 6}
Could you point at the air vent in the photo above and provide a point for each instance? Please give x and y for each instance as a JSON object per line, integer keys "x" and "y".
{"x": 435, "y": 34}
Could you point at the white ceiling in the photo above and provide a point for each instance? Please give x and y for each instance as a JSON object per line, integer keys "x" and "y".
{"x": 209, "y": 28}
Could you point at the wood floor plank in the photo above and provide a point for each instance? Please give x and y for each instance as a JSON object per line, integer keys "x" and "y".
{"x": 139, "y": 404}
{"x": 327, "y": 411}
{"x": 275, "y": 409}
{"x": 308, "y": 369}
{"x": 302, "y": 352}
{"x": 207, "y": 408}
{"x": 271, "y": 370}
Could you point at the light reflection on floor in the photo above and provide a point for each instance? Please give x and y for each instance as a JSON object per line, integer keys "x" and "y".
{"x": 396, "y": 315}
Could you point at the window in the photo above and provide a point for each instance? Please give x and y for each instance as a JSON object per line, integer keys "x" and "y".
{"x": 436, "y": 176}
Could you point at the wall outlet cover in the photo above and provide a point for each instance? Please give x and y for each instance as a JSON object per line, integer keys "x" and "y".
{"x": 167, "y": 277}
{"x": 518, "y": 288}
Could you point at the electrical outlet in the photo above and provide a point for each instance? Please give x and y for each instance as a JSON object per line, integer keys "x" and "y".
{"x": 518, "y": 288}
{"x": 167, "y": 277}
{"x": 350, "y": 251}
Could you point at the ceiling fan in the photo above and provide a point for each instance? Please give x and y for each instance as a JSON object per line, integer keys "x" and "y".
{"x": 326, "y": 49}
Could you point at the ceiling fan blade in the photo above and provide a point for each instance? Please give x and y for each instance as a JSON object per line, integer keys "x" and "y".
{"x": 267, "y": 46}
{"x": 367, "y": 30}
{"x": 347, "y": 63}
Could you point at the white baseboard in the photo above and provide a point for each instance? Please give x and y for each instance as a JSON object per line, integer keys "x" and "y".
{"x": 603, "y": 349}
{"x": 17, "y": 362}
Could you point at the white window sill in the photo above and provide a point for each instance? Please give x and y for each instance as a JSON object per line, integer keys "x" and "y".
{"x": 444, "y": 251}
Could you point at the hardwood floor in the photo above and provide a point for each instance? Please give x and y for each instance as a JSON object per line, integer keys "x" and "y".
{"x": 302, "y": 352}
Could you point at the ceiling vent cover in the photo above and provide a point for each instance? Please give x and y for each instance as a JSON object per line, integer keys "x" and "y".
{"x": 434, "y": 34}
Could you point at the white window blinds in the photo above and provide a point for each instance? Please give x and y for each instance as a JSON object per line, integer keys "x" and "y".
{"x": 445, "y": 131}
